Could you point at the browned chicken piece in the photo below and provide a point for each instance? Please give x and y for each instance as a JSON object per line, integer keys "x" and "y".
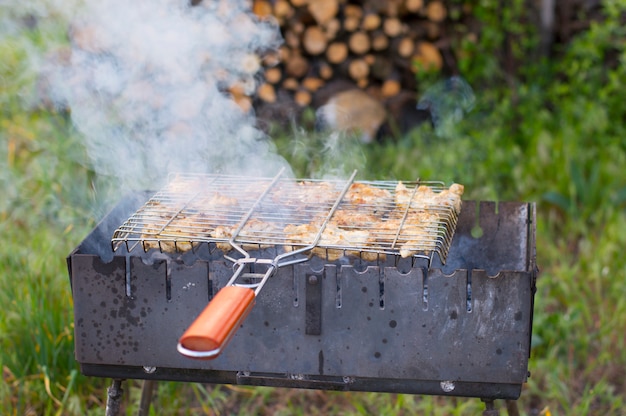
{"x": 331, "y": 238}
{"x": 254, "y": 229}
{"x": 223, "y": 234}
{"x": 303, "y": 234}
{"x": 452, "y": 197}
{"x": 419, "y": 235}
{"x": 337, "y": 237}
{"x": 413, "y": 235}
{"x": 416, "y": 198}
{"x": 425, "y": 197}
{"x": 365, "y": 194}
{"x": 258, "y": 228}
{"x": 304, "y": 194}
{"x": 175, "y": 235}
{"x": 352, "y": 219}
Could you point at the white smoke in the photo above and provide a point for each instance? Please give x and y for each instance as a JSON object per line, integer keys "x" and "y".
{"x": 147, "y": 87}
{"x": 448, "y": 101}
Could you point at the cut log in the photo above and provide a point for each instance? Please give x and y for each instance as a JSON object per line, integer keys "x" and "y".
{"x": 284, "y": 53}
{"x": 273, "y": 75}
{"x": 283, "y": 10}
{"x": 404, "y": 47}
{"x": 380, "y": 41}
{"x": 325, "y": 71}
{"x": 250, "y": 63}
{"x": 297, "y": 27}
{"x": 292, "y": 39}
{"x": 271, "y": 59}
{"x": 337, "y": 52}
{"x": 426, "y": 58}
{"x": 359, "y": 43}
{"x": 436, "y": 11}
{"x": 314, "y": 40}
{"x": 352, "y": 111}
{"x": 393, "y": 7}
{"x": 302, "y": 98}
{"x": 393, "y": 27}
{"x": 332, "y": 28}
{"x": 290, "y": 84}
{"x": 297, "y": 66}
{"x": 352, "y": 10}
{"x": 323, "y": 10}
{"x": 363, "y": 83}
{"x": 267, "y": 93}
{"x": 312, "y": 83}
{"x": 262, "y": 8}
{"x": 351, "y": 23}
{"x": 390, "y": 88}
{"x": 358, "y": 69}
{"x": 414, "y": 6}
{"x": 239, "y": 96}
{"x": 371, "y": 21}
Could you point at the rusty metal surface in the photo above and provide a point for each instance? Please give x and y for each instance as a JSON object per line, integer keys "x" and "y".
{"x": 457, "y": 330}
{"x": 506, "y": 239}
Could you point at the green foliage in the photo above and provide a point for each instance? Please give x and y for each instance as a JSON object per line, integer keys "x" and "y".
{"x": 42, "y": 211}
{"x": 553, "y": 134}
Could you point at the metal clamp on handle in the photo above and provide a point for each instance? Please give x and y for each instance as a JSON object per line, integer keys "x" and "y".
{"x": 202, "y": 355}
{"x": 215, "y": 326}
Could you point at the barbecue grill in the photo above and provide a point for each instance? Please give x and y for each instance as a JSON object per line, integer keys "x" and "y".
{"x": 340, "y": 285}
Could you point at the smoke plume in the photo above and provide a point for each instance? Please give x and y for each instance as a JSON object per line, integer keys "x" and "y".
{"x": 148, "y": 87}
{"x": 448, "y": 102}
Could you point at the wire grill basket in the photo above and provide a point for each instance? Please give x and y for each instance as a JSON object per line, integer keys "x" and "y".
{"x": 331, "y": 217}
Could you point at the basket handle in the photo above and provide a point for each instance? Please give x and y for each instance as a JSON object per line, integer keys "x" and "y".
{"x": 213, "y": 328}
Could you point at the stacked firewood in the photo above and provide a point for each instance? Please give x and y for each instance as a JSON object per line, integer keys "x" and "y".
{"x": 328, "y": 47}
{"x": 377, "y": 45}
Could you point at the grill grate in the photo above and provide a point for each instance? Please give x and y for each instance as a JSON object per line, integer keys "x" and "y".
{"x": 371, "y": 218}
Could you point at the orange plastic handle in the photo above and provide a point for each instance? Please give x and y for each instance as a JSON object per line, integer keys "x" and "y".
{"x": 213, "y": 328}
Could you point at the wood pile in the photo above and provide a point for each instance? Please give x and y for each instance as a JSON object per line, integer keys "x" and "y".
{"x": 329, "y": 47}
{"x": 375, "y": 45}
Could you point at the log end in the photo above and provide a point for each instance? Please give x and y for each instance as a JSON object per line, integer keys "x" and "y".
{"x": 352, "y": 112}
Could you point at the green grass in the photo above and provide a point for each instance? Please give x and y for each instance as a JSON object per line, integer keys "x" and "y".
{"x": 556, "y": 139}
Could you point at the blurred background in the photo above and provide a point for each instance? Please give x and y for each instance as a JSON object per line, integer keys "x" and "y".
{"x": 522, "y": 101}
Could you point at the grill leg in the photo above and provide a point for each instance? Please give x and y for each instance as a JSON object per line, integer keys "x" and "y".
{"x": 511, "y": 408}
{"x": 146, "y": 397}
{"x": 490, "y": 409}
{"x": 114, "y": 398}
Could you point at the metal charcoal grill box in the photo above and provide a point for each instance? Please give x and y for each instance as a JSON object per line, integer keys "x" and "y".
{"x": 396, "y": 325}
